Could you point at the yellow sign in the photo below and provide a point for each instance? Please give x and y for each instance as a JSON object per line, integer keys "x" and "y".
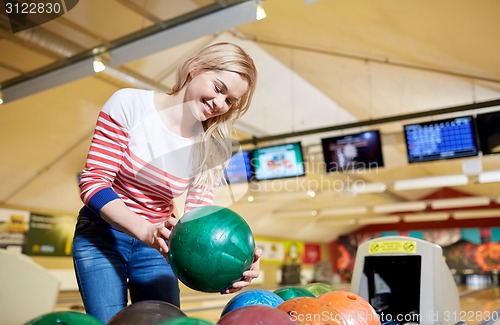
{"x": 393, "y": 246}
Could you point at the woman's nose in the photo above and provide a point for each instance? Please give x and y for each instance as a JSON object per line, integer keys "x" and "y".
{"x": 219, "y": 100}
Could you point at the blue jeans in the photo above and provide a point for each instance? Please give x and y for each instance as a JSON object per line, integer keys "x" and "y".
{"x": 108, "y": 262}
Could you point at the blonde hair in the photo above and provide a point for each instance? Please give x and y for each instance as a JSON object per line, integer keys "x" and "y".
{"x": 214, "y": 145}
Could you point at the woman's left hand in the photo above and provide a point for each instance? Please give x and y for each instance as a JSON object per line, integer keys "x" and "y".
{"x": 249, "y": 275}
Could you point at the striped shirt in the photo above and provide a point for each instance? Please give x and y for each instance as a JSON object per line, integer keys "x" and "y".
{"x": 135, "y": 158}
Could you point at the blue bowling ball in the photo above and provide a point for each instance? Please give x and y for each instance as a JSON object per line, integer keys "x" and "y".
{"x": 252, "y": 297}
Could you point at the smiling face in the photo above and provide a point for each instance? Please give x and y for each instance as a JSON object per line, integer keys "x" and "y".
{"x": 212, "y": 93}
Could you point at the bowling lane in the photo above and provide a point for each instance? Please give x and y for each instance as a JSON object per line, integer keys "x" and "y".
{"x": 204, "y": 305}
{"x": 478, "y": 306}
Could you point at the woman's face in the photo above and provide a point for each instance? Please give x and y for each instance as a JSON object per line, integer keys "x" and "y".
{"x": 212, "y": 93}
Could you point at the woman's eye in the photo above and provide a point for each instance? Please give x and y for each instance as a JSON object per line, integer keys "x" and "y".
{"x": 217, "y": 89}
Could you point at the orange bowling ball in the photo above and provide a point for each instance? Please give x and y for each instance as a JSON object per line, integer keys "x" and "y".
{"x": 311, "y": 311}
{"x": 354, "y": 308}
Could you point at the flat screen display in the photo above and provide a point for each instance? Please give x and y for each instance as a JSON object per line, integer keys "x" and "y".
{"x": 354, "y": 151}
{"x": 394, "y": 286}
{"x": 278, "y": 161}
{"x": 442, "y": 139}
{"x": 239, "y": 169}
{"x": 488, "y": 130}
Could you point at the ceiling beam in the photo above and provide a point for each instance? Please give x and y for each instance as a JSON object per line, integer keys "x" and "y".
{"x": 384, "y": 60}
{"x": 204, "y": 21}
{"x": 221, "y": 19}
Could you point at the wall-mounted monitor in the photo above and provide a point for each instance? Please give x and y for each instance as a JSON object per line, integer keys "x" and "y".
{"x": 353, "y": 152}
{"x": 239, "y": 169}
{"x": 441, "y": 139}
{"x": 278, "y": 161}
{"x": 488, "y": 130}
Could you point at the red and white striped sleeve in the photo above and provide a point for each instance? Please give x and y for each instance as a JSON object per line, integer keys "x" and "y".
{"x": 109, "y": 142}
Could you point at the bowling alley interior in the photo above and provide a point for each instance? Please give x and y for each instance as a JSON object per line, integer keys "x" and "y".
{"x": 366, "y": 169}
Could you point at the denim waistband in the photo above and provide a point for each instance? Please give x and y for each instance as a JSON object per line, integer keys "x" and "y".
{"x": 88, "y": 213}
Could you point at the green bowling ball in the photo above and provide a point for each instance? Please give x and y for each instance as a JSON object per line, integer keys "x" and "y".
{"x": 319, "y": 288}
{"x": 210, "y": 248}
{"x": 287, "y": 293}
{"x": 65, "y": 317}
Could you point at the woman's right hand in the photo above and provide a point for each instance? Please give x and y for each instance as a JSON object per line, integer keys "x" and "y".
{"x": 159, "y": 233}
{"x": 152, "y": 234}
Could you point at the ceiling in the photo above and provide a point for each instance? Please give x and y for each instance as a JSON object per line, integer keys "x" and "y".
{"x": 335, "y": 66}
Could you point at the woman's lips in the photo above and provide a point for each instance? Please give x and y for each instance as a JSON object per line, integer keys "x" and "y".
{"x": 208, "y": 109}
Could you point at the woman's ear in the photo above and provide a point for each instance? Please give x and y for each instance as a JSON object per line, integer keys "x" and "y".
{"x": 193, "y": 72}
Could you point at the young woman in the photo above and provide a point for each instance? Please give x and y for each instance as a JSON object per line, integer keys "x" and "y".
{"x": 149, "y": 148}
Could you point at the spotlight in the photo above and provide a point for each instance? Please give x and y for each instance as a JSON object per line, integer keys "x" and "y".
{"x": 98, "y": 65}
{"x": 260, "y": 13}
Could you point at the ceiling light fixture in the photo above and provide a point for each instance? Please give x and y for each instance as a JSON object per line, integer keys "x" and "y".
{"x": 365, "y": 188}
{"x": 418, "y": 217}
{"x": 337, "y": 222}
{"x": 476, "y": 214}
{"x": 400, "y": 207}
{"x": 489, "y": 177}
{"x": 344, "y": 211}
{"x": 311, "y": 193}
{"x": 98, "y": 65}
{"x": 378, "y": 220}
{"x": 286, "y": 196}
{"x": 295, "y": 213}
{"x": 460, "y": 202}
{"x": 260, "y": 12}
{"x": 430, "y": 182}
